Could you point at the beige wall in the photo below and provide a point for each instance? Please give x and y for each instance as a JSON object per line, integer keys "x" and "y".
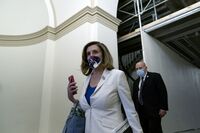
{"x": 22, "y": 16}
{"x": 21, "y": 82}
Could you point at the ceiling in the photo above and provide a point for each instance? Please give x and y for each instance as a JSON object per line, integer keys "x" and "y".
{"x": 182, "y": 35}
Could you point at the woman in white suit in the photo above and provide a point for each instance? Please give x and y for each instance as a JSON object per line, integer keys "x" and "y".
{"x": 104, "y": 90}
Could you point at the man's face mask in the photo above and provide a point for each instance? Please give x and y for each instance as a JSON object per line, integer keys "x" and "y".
{"x": 94, "y": 62}
{"x": 140, "y": 72}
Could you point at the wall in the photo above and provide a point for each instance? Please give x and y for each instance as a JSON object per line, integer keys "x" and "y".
{"x": 64, "y": 9}
{"x": 182, "y": 81}
{"x": 22, "y": 16}
{"x": 21, "y": 84}
{"x": 109, "y": 6}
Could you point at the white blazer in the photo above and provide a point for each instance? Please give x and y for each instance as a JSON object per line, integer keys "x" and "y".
{"x": 104, "y": 113}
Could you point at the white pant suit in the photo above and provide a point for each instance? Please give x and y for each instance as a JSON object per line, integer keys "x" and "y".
{"x": 104, "y": 113}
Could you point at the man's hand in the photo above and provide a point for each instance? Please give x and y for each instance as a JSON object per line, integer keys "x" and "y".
{"x": 162, "y": 113}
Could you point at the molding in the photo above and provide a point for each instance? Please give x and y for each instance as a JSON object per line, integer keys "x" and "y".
{"x": 87, "y": 14}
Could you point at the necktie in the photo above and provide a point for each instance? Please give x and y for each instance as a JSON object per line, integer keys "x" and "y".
{"x": 140, "y": 92}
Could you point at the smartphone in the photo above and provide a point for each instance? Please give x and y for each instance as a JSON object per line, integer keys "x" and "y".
{"x": 71, "y": 78}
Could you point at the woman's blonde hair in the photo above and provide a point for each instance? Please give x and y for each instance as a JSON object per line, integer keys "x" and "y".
{"x": 107, "y": 61}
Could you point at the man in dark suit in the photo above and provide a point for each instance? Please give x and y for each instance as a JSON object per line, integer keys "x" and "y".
{"x": 150, "y": 98}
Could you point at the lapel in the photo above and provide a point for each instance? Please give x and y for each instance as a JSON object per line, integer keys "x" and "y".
{"x": 146, "y": 78}
{"x": 87, "y": 80}
{"x": 102, "y": 80}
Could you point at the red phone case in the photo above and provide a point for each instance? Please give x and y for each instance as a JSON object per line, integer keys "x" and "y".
{"x": 71, "y": 78}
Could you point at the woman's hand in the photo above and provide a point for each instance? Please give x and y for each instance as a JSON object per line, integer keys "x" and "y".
{"x": 72, "y": 90}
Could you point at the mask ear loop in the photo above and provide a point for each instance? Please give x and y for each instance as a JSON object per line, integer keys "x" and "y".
{"x": 97, "y": 64}
{"x": 88, "y": 70}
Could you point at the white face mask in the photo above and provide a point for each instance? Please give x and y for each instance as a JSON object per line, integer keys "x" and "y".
{"x": 94, "y": 62}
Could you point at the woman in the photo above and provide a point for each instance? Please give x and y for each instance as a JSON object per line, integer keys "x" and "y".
{"x": 104, "y": 90}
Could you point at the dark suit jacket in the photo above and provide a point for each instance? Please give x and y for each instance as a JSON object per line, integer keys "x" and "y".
{"x": 154, "y": 95}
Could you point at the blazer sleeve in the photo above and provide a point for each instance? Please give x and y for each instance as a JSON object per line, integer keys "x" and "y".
{"x": 127, "y": 102}
{"x": 163, "y": 92}
{"x": 135, "y": 91}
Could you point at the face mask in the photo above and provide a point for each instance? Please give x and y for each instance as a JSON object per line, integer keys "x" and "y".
{"x": 94, "y": 62}
{"x": 140, "y": 72}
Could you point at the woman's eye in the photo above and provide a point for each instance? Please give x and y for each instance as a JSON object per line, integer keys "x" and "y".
{"x": 88, "y": 53}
